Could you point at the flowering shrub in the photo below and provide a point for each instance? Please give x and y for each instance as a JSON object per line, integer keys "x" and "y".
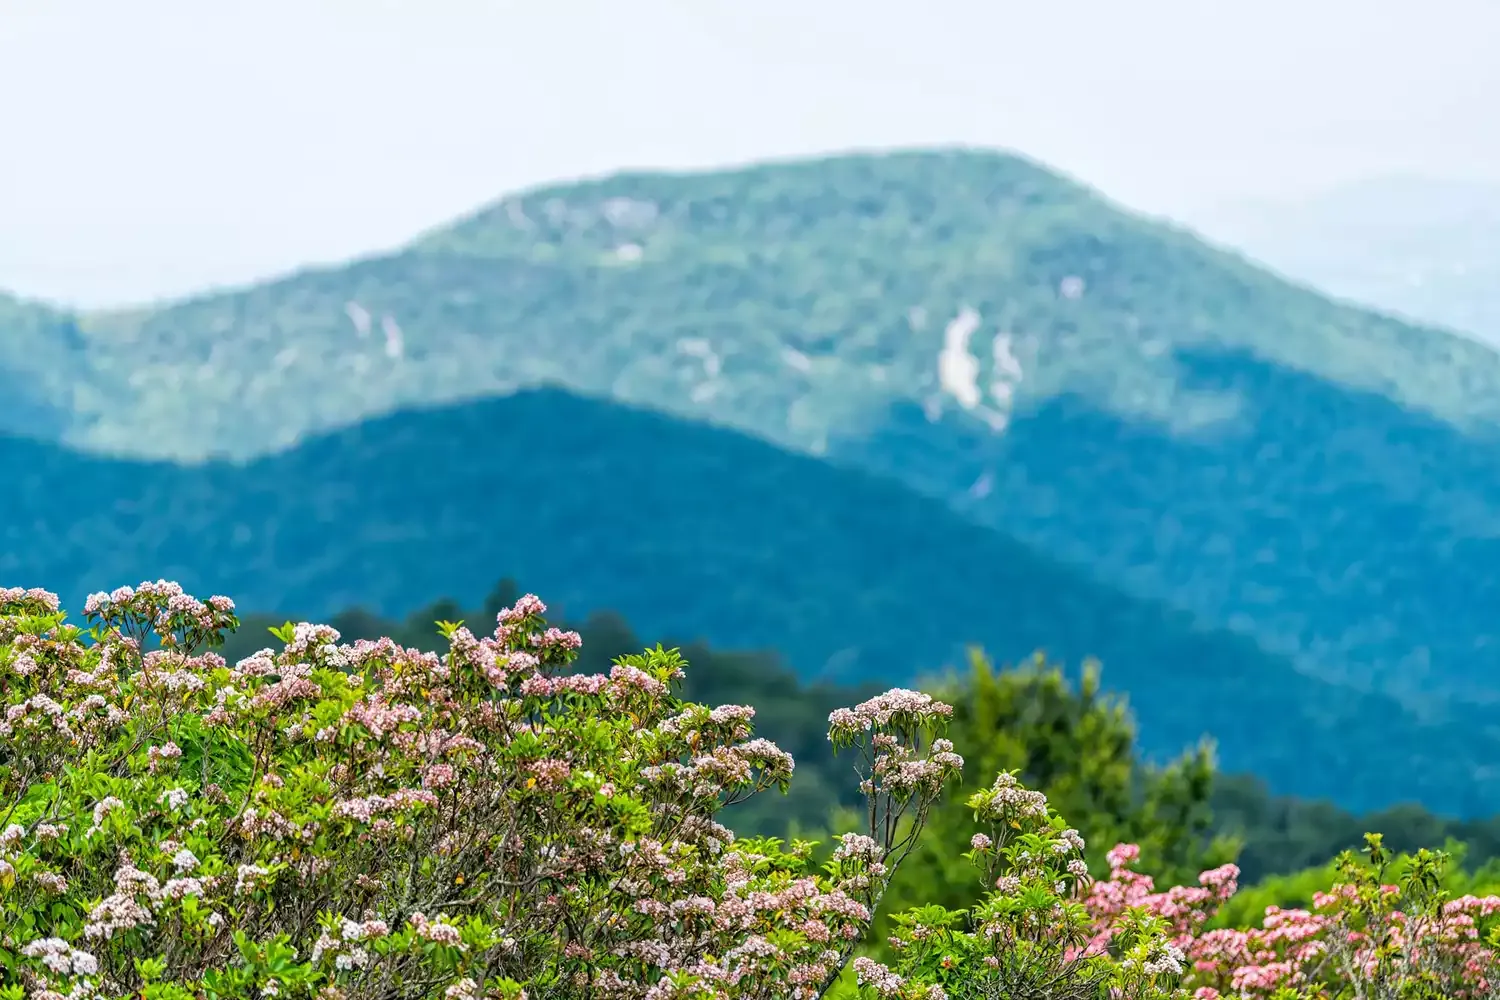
{"x": 1077, "y": 743}
{"x": 1366, "y": 938}
{"x": 368, "y": 821}
{"x": 1046, "y": 931}
{"x": 1027, "y": 938}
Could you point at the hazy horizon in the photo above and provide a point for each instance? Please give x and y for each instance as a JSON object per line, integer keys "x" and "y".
{"x": 167, "y": 147}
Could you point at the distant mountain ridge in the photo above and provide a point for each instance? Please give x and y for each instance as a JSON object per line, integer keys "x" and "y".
{"x": 788, "y": 299}
{"x": 693, "y": 531}
{"x": 1164, "y": 416}
{"x": 1419, "y": 247}
{"x": 1356, "y": 536}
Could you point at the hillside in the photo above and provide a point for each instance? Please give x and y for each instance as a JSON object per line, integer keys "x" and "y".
{"x": 693, "y": 532}
{"x": 1108, "y": 390}
{"x": 789, "y": 299}
{"x": 1352, "y": 534}
{"x": 43, "y": 370}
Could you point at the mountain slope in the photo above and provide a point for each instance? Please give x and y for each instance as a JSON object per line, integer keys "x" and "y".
{"x": 1030, "y": 341}
{"x": 1357, "y": 536}
{"x": 691, "y": 292}
{"x": 43, "y": 370}
{"x": 691, "y": 531}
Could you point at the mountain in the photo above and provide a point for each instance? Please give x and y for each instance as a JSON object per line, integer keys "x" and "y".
{"x": 794, "y": 300}
{"x": 1414, "y": 246}
{"x": 696, "y": 532}
{"x": 43, "y": 369}
{"x": 1160, "y": 414}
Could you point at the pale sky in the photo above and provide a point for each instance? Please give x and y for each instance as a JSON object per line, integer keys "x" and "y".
{"x": 149, "y": 148}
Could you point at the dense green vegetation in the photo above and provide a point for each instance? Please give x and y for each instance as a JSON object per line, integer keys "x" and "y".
{"x": 827, "y": 257}
{"x": 747, "y": 546}
{"x": 1369, "y": 570}
{"x": 493, "y": 816}
{"x": 1066, "y": 735}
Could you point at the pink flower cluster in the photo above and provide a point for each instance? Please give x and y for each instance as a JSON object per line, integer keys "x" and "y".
{"x": 1353, "y": 934}
{"x": 450, "y": 820}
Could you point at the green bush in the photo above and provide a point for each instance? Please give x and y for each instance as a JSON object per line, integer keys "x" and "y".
{"x": 368, "y": 821}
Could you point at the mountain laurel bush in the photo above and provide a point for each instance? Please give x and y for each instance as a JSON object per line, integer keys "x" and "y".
{"x": 368, "y": 822}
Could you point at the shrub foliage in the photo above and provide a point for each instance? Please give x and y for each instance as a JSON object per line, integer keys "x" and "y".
{"x": 364, "y": 820}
